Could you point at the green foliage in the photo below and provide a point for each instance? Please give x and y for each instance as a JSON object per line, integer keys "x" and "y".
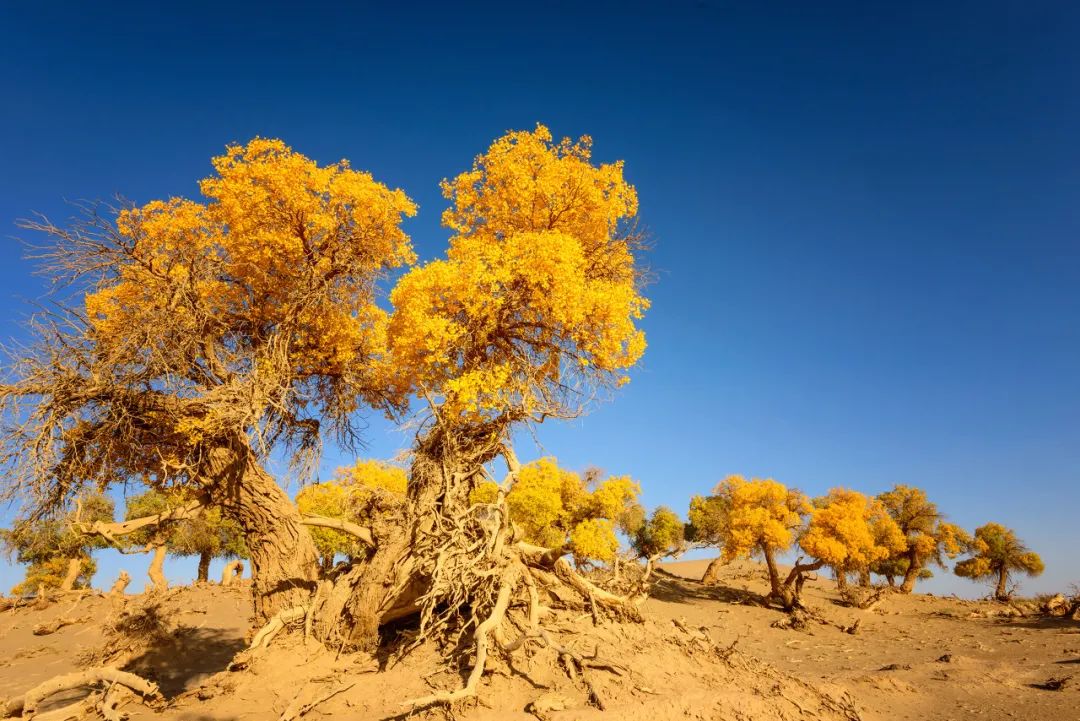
{"x": 45, "y": 545}
{"x": 208, "y": 533}
{"x": 995, "y": 553}
{"x": 663, "y": 534}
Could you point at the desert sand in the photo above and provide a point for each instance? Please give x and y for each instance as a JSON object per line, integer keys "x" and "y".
{"x": 703, "y": 653}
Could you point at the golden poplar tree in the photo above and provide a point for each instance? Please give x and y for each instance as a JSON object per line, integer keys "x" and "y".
{"x": 849, "y": 532}
{"x": 996, "y": 553}
{"x": 928, "y": 537}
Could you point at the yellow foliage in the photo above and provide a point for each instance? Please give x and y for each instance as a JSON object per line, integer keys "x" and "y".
{"x": 538, "y": 297}
{"x": 751, "y": 515}
{"x": 372, "y": 474}
{"x": 927, "y": 536}
{"x": 594, "y": 540}
{"x": 280, "y": 245}
{"x": 554, "y": 507}
{"x": 996, "y": 551}
{"x": 849, "y": 532}
{"x": 329, "y": 499}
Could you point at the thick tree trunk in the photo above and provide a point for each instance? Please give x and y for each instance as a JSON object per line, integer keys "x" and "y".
{"x": 284, "y": 563}
{"x": 864, "y": 578}
{"x": 204, "y": 567}
{"x": 841, "y": 580}
{"x": 157, "y": 569}
{"x": 1001, "y": 593}
{"x": 72, "y": 575}
{"x": 911, "y": 574}
{"x": 891, "y": 580}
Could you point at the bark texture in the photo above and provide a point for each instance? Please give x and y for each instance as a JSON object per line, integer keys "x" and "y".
{"x": 72, "y": 575}
{"x": 712, "y": 573}
{"x": 204, "y": 567}
{"x": 157, "y": 569}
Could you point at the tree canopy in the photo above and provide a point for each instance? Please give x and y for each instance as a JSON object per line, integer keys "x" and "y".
{"x": 996, "y": 552}
{"x": 849, "y": 532}
{"x": 56, "y": 554}
{"x": 929, "y": 538}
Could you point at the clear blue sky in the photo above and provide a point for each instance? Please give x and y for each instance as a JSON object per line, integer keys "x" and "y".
{"x": 867, "y": 219}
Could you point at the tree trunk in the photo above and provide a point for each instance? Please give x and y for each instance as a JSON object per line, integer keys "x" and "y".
{"x": 774, "y": 573}
{"x": 1001, "y": 593}
{"x": 284, "y": 563}
{"x": 204, "y": 567}
{"x": 120, "y": 585}
{"x": 232, "y": 570}
{"x": 72, "y": 575}
{"x": 157, "y": 569}
{"x": 712, "y": 572}
{"x": 864, "y": 578}
{"x": 891, "y": 580}
{"x": 841, "y": 580}
{"x": 910, "y": 574}
{"x": 327, "y": 563}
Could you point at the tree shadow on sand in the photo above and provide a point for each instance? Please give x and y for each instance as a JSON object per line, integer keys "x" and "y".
{"x": 675, "y": 589}
{"x": 191, "y": 655}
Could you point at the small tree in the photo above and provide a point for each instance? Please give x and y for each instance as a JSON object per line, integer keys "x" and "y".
{"x": 849, "y": 533}
{"x": 57, "y": 554}
{"x": 705, "y": 528}
{"x": 556, "y": 508}
{"x": 928, "y": 537}
{"x": 662, "y": 534}
{"x": 997, "y": 552}
{"x": 759, "y": 516}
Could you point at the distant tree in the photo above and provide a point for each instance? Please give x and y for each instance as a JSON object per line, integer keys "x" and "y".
{"x": 57, "y": 555}
{"x": 849, "y": 533}
{"x": 705, "y": 528}
{"x": 662, "y": 534}
{"x": 928, "y": 537}
{"x": 329, "y": 499}
{"x": 207, "y": 534}
{"x": 757, "y": 516}
{"x": 995, "y": 553}
{"x": 557, "y": 508}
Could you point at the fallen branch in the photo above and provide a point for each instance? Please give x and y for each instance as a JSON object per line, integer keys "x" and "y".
{"x": 27, "y": 703}
{"x": 295, "y": 711}
{"x": 44, "y": 629}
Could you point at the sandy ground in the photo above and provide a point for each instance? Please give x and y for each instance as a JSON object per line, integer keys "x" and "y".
{"x": 914, "y": 657}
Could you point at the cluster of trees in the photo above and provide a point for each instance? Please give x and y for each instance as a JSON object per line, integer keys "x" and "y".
{"x": 58, "y": 551}
{"x": 193, "y": 340}
{"x": 899, "y": 534}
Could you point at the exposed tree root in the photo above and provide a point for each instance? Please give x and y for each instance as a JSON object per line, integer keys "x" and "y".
{"x": 274, "y": 625}
{"x": 231, "y": 572}
{"x": 28, "y": 703}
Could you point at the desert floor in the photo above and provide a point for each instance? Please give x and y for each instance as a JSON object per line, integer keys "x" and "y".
{"x": 913, "y": 657}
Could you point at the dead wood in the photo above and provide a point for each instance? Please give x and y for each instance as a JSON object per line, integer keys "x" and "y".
{"x": 27, "y": 703}
{"x": 50, "y": 627}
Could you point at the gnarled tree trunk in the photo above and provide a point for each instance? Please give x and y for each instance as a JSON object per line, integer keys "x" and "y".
{"x": 157, "y": 569}
{"x": 284, "y": 563}
{"x": 864, "y": 578}
{"x": 231, "y": 572}
{"x": 1001, "y": 593}
{"x": 911, "y": 574}
{"x": 774, "y": 572}
{"x": 72, "y": 575}
{"x": 204, "y": 567}
{"x": 712, "y": 572}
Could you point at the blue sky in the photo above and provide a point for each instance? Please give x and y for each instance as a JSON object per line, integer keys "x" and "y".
{"x": 866, "y": 218}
